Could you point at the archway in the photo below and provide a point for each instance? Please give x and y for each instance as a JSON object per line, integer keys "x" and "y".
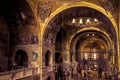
{"x": 59, "y": 27}
{"x": 94, "y": 58}
{"x": 92, "y": 51}
{"x": 81, "y": 4}
{"x": 61, "y": 21}
{"x": 21, "y": 58}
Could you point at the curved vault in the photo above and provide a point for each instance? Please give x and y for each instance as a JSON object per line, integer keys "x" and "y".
{"x": 90, "y": 42}
{"x": 60, "y": 20}
{"x": 21, "y": 22}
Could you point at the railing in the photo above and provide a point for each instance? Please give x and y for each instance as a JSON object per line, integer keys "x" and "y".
{"x": 16, "y": 74}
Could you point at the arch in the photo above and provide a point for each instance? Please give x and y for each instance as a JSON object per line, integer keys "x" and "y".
{"x": 21, "y": 58}
{"x": 94, "y": 43}
{"x": 76, "y": 37}
{"x": 82, "y": 4}
{"x": 104, "y": 35}
{"x": 107, "y": 32}
{"x": 100, "y": 59}
{"x": 91, "y": 46}
{"x": 91, "y": 29}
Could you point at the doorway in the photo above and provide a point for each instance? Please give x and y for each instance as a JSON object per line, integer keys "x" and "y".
{"x": 21, "y": 58}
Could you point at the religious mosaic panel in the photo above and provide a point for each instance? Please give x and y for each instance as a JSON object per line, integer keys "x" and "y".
{"x": 24, "y": 38}
{"x": 44, "y": 10}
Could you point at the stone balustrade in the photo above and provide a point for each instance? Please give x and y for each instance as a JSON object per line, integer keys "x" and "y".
{"x": 20, "y": 73}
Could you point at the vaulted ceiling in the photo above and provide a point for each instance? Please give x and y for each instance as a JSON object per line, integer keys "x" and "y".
{"x": 61, "y": 20}
{"x": 11, "y": 9}
{"x": 14, "y": 12}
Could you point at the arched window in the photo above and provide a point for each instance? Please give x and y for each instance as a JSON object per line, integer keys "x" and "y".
{"x": 21, "y": 58}
{"x": 47, "y": 58}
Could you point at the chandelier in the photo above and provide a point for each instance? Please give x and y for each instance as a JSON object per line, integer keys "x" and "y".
{"x": 83, "y": 21}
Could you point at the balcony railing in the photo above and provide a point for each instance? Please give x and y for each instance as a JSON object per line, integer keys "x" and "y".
{"x": 16, "y": 74}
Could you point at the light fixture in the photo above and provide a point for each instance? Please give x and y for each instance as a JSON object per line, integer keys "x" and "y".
{"x": 94, "y": 56}
{"x": 86, "y": 56}
{"x": 88, "y": 20}
{"x": 87, "y": 34}
{"x": 95, "y": 65}
{"x": 80, "y": 21}
{"x": 95, "y": 20}
{"x": 83, "y": 21}
{"x": 73, "y": 21}
{"x": 93, "y": 34}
